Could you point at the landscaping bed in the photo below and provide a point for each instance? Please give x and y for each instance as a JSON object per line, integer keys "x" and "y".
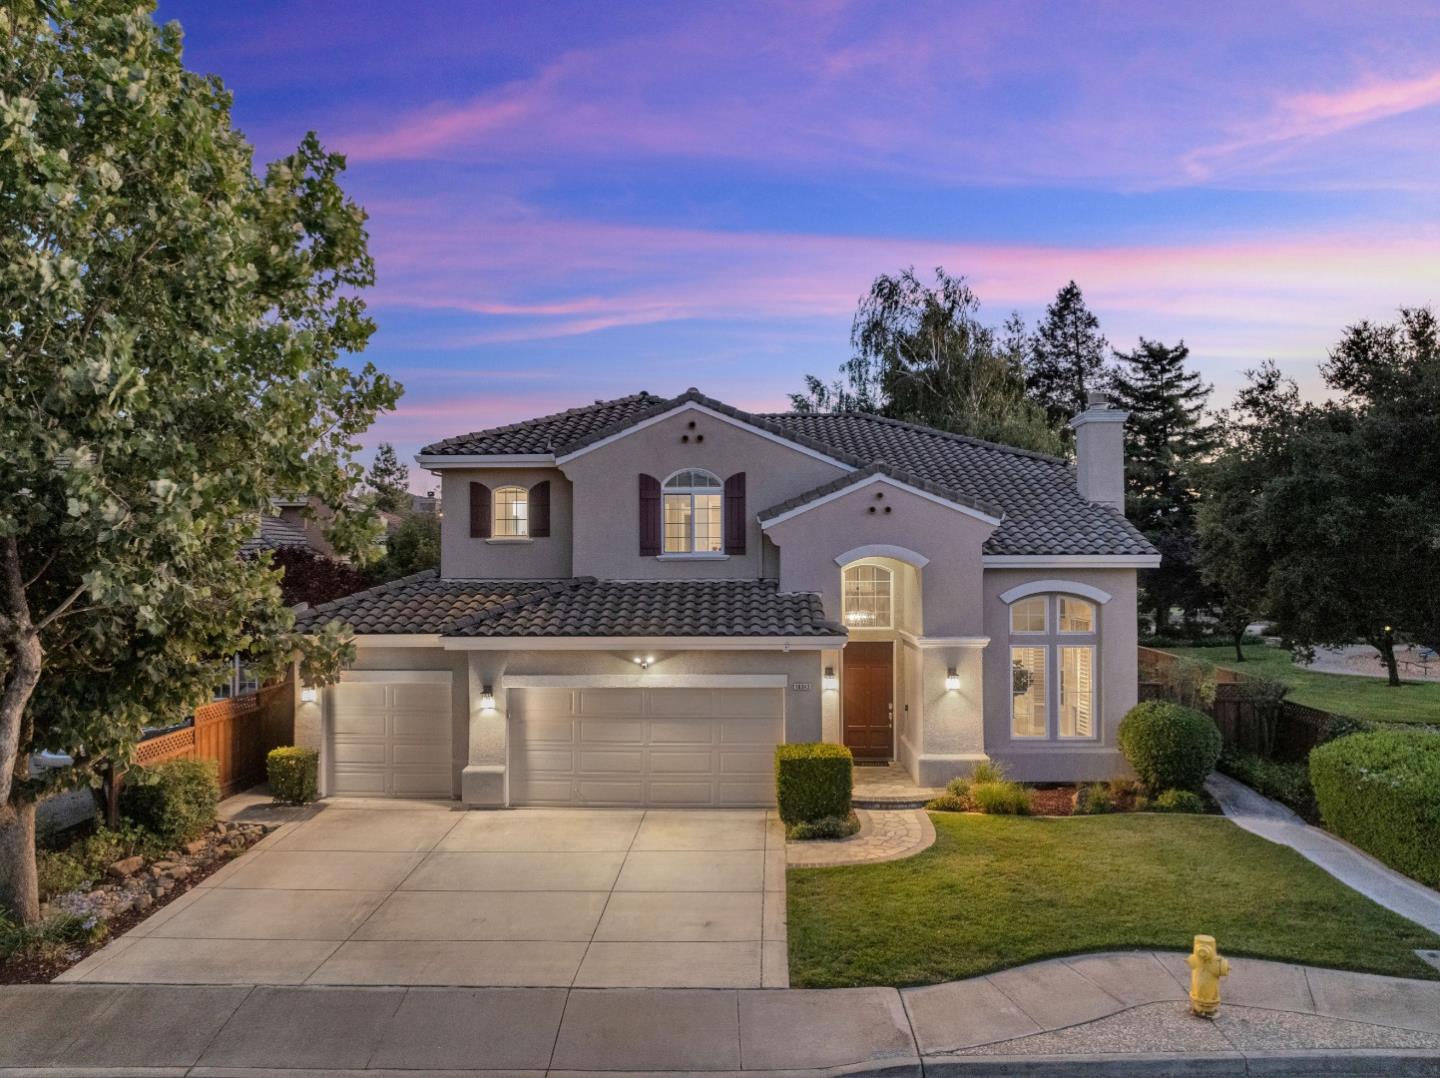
{"x": 995, "y": 892}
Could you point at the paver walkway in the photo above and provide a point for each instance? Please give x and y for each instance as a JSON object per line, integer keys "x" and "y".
{"x": 889, "y": 787}
{"x": 1120, "y": 1013}
{"x": 417, "y": 893}
{"x": 884, "y": 835}
{"x": 1351, "y": 866}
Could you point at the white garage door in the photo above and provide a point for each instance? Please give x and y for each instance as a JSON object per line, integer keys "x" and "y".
{"x": 390, "y": 738}
{"x": 682, "y": 747}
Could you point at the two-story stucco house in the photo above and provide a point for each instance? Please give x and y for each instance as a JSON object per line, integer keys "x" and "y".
{"x": 639, "y": 598}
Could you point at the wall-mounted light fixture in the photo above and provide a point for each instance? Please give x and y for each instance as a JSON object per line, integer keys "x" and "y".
{"x": 309, "y": 696}
{"x": 487, "y": 698}
{"x": 952, "y": 680}
{"x": 644, "y": 664}
{"x": 830, "y": 682}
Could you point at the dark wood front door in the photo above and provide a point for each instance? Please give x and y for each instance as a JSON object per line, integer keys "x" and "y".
{"x": 866, "y": 705}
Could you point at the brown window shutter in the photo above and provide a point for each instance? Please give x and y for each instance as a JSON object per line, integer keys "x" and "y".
{"x": 479, "y": 511}
{"x": 649, "y": 516}
{"x": 540, "y": 510}
{"x": 735, "y": 514}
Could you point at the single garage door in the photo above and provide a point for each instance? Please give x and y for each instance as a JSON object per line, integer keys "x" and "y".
{"x": 390, "y": 734}
{"x": 677, "y": 747}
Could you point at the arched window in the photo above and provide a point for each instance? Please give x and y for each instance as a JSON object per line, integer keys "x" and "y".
{"x": 867, "y": 599}
{"x": 512, "y": 512}
{"x": 692, "y": 499}
{"x": 1054, "y": 647}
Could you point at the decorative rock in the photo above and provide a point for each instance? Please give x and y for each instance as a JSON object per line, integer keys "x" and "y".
{"x": 142, "y": 902}
{"x": 198, "y": 846}
{"x": 164, "y": 866}
{"x": 126, "y": 867}
{"x": 179, "y": 872}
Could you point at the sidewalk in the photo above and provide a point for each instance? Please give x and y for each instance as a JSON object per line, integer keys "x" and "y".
{"x": 1094, "y": 1014}
{"x": 1351, "y": 866}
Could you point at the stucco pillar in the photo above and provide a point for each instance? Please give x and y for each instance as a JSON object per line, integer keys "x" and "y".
{"x": 485, "y": 781}
{"x": 952, "y": 734}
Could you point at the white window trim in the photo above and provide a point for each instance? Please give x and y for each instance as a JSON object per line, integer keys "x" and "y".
{"x": 667, "y": 491}
{"x": 890, "y": 603}
{"x": 1046, "y": 587}
{"x": 1060, "y": 630}
{"x": 1050, "y": 642}
{"x": 1044, "y": 631}
{"x": 495, "y": 514}
{"x": 694, "y": 555}
{"x": 1094, "y": 650}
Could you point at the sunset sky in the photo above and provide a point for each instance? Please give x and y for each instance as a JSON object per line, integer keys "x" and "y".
{"x": 576, "y": 201}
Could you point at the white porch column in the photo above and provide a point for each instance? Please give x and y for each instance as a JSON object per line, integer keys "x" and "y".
{"x": 952, "y": 738}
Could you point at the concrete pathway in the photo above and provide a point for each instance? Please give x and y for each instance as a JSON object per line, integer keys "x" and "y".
{"x": 889, "y": 787}
{"x": 417, "y": 893}
{"x": 1351, "y": 866}
{"x": 884, "y": 835}
{"x": 1094, "y": 1014}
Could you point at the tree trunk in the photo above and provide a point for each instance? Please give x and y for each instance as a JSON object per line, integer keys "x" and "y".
{"x": 1239, "y": 652}
{"x": 1387, "y": 652}
{"x": 19, "y": 887}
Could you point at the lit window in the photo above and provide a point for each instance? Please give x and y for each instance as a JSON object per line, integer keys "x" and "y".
{"x": 512, "y": 512}
{"x": 692, "y": 501}
{"x": 867, "y": 597}
{"x": 1028, "y": 615}
{"x": 1077, "y": 692}
{"x": 1076, "y": 615}
{"x": 1027, "y": 692}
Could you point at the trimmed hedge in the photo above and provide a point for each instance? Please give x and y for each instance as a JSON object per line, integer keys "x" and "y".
{"x": 293, "y": 774}
{"x": 1178, "y": 801}
{"x": 175, "y": 801}
{"x": 813, "y": 781}
{"x": 1169, "y": 746}
{"x": 1381, "y": 791}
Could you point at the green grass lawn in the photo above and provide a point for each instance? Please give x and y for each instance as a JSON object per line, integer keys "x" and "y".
{"x": 1001, "y": 891}
{"x": 1360, "y": 697}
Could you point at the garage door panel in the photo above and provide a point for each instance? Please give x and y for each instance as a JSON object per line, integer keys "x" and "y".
{"x": 419, "y": 697}
{"x": 646, "y": 747}
{"x": 412, "y": 724}
{"x": 365, "y": 722}
{"x": 359, "y": 694}
{"x": 402, "y": 754}
{"x": 358, "y": 752}
{"x": 542, "y": 702}
{"x": 389, "y": 738}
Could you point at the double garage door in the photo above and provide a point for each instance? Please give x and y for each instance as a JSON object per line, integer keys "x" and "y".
{"x": 662, "y": 747}
{"x": 390, "y": 735}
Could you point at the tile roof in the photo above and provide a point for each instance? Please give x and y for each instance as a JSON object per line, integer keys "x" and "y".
{"x": 897, "y": 474}
{"x": 1043, "y": 511}
{"x": 582, "y": 606}
{"x": 274, "y": 534}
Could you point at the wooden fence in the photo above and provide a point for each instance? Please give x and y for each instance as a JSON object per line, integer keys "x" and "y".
{"x": 235, "y": 733}
{"x": 1286, "y": 733}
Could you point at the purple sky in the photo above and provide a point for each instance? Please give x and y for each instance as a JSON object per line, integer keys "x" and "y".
{"x": 575, "y": 201}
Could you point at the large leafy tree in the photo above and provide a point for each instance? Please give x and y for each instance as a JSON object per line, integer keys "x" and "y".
{"x": 388, "y": 480}
{"x": 172, "y": 327}
{"x": 1067, "y": 356}
{"x": 922, "y": 354}
{"x": 1166, "y": 438}
{"x": 411, "y": 548}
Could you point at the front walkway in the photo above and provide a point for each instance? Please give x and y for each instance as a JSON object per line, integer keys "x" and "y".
{"x": 884, "y": 835}
{"x": 889, "y": 787}
{"x": 418, "y": 893}
{"x": 1120, "y": 1013}
{"x": 1351, "y": 866}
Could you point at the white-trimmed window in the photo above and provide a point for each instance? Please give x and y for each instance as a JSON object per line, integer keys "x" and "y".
{"x": 512, "y": 513}
{"x": 692, "y": 521}
{"x": 241, "y": 680}
{"x": 1054, "y": 679}
{"x": 867, "y": 597}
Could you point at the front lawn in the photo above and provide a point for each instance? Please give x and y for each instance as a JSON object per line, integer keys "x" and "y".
{"x": 1343, "y": 694}
{"x": 1001, "y": 891}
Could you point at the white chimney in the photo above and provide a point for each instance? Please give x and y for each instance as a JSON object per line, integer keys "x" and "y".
{"x": 1100, "y": 452}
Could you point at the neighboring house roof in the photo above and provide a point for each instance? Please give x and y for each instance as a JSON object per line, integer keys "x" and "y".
{"x": 1044, "y": 513}
{"x": 844, "y": 482}
{"x": 274, "y": 534}
{"x": 582, "y": 606}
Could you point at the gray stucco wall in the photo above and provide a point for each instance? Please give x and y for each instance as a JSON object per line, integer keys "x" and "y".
{"x": 496, "y": 559}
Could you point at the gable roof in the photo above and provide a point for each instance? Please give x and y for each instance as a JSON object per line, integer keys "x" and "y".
{"x": 275, "y": 533}
{"x": 581, "y": 606}
{"x": 899, "y": 475}
{"x": 1044, "y": 513}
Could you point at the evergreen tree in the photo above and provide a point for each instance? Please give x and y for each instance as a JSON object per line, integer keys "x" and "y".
{"x": 389, "y": 480}
{"x": 1166, "y": 438}
{"x": 1066, "y": 357}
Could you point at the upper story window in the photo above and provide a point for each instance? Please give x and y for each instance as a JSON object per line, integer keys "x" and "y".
{"x": 692, "y": 502}
{"x": 512, "y": 512}
{"x": 1053, "y": 672}
{"x": 866, "y": 597}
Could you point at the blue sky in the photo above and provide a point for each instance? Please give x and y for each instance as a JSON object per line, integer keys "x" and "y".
{"x": 575, "y": 201}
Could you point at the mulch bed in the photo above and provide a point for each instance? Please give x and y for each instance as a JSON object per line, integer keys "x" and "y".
{"x": 1052, "y": 801}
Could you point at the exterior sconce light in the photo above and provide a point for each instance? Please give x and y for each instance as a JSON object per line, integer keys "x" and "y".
{"x": 952, "y": 680}
{"x": 830, "y": 682}
{"x": 309, "y": 696}
{"x": 644, "y": 664}
{"x": 487, "y": 698}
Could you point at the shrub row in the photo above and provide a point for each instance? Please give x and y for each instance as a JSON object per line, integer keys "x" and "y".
{"x": 1286, "y": 782}
{"x": 812, "y": 782}
{"x": 1379, "y": 791}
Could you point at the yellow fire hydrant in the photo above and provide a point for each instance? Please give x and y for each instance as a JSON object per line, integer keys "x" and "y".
{"x": 1206, "y": 969}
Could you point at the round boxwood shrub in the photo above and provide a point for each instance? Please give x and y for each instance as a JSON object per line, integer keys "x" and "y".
{"x": 293, "y": 774}
{"x": 1178, "y": 801}
{"x": 175, "y": 800}
{"x": 1169, "y": 746}
{"x": 1381, "y": 791}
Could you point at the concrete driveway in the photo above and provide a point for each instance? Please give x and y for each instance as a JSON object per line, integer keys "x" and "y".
{"x": 418, "y": 893}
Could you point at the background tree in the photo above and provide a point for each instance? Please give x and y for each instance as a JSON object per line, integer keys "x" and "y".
{"x": 171, "y": 327}
{"x": 312, "y": 578}
{"x": 1166, "y": 437}
{"x": 388, "y": 480}
{"x": 922, "y": 355}
{"x": 411, "y": 548}
{"x": 1234, "y": 557}
{"x": 1067, "y": 357}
